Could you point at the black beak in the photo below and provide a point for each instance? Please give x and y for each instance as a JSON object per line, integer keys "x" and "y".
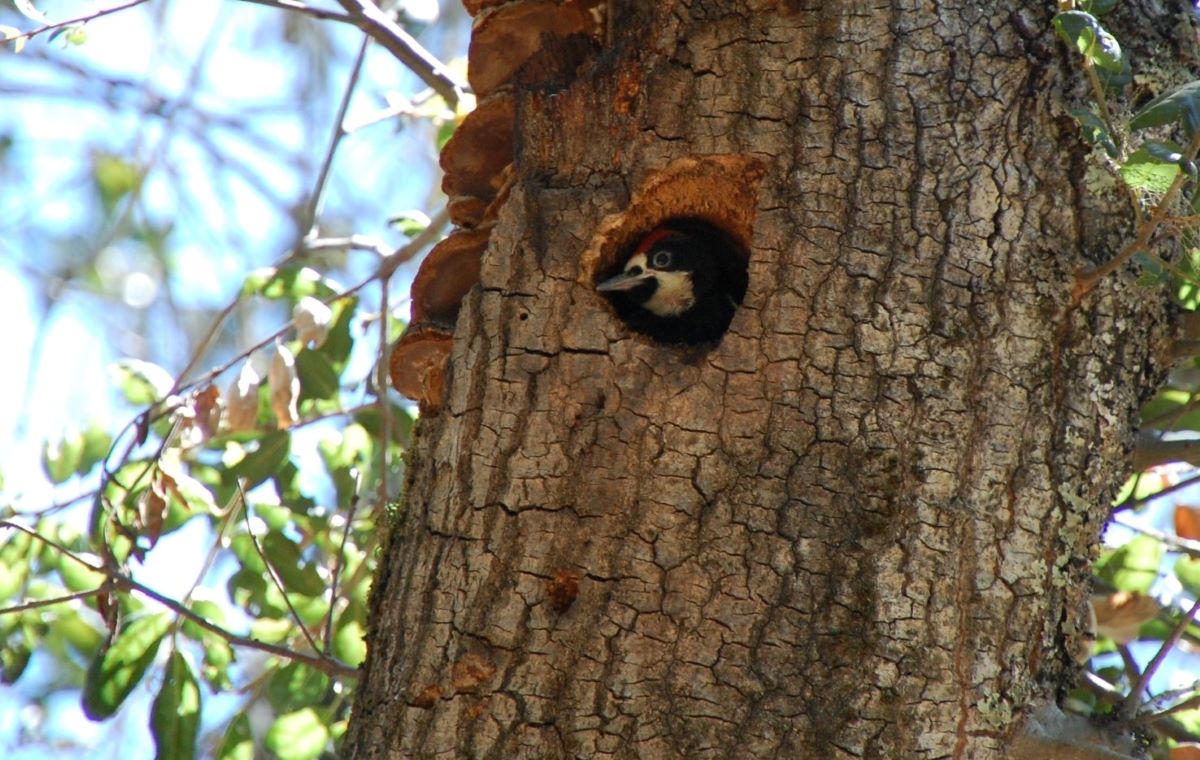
{"x": 624, "y": 281}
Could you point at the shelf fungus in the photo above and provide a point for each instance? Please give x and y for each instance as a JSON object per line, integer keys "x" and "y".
{"x": 447, "y": 273}
{"x": 418, "y": 363}
{"x": 505, "y": 37}
{"x": 475, "y": 157}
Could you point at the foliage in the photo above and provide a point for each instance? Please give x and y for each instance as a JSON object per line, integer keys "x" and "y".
{"x": 1142, "y": 584}
{"x": 282, "y": 457}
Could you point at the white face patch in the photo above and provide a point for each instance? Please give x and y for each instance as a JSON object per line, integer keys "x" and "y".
{"x": 674, "y": 294}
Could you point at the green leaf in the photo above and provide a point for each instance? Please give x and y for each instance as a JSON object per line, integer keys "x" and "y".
{"x": 402, "y": 423}
{"x": 218, "y": 656}
{"x": 264, "y": 461}
{"x": 1097, "y": 7}
{"x": 295, "y": 573}
{"x": 293, "y": 283}
{"x": 76, "y": 34}
{"x": 1114, "y": 82}
{"x": 353, "y": 449}
{"x": 14, "y": 656}
{"x": 1187, "y": 570}
{"x": 77, "y": 631}
{"x": 12, "y": 577}
{"x": 1082, "y": 31}
{"x": 242, "y": 545}
{"x": 60, "y": 459}
{"x": 210, "y": 611}
{"x": 1147, "y": 169}
{"x": 300, "y": 735}
{"x": 1095, "y": 131}
{"x": 410, "y": 223}
{"x": 1169, "y": 153}
{"x": 78, "y": 577}
{"x": 114, "y": 178}
{"x": 1179, "y": 105}
{"x": 1134, "y": 566}
{"x": 271, "y": 630}
{"x": 318, "y": 379}
{"x": 349, "y": 643}
{"x": 295, "y": 686}
{"x": 175, "y": 715}
{"x": 96, "y": 443}
{"x": 118, "y": 669}
{"x": 142, "y": 383}
{"x": 238, "y": 743}
{"x": 340, "y": 341}
{"x": 445, "y": 131}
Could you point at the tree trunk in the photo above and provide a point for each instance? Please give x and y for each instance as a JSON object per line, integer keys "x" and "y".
{"x": 862, "y": 524}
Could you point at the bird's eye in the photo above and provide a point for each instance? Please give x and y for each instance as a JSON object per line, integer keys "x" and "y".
{"x": 661, "y": 260}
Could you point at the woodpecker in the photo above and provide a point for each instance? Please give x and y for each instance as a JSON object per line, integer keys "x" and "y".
{"x": 681, "y": 283}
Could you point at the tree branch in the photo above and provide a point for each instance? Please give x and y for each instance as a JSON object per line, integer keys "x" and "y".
{"x": 74, "y": 21}
{"x": 380, "y": 27}
{"x": 120, "y": 580}
{"x": 1130, "y": 705}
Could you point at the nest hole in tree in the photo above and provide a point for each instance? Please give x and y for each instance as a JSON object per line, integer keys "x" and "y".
{"x": 699, "y": 211}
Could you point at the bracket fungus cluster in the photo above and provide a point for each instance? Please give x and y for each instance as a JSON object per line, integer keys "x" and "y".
{"x": 477, "y": 163}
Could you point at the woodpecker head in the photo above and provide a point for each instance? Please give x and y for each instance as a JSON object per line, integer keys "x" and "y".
{"x": 681, "y": 283}
{"x": 666, "y": 274}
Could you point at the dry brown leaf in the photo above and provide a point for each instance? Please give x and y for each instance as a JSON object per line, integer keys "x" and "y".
{"x": 1187, "y": 522}
{"x": 285, "y": 386}
{"x": 312, "y": 319}
{"x": 1119, "y": 616}
{"x": 241, "y": 400}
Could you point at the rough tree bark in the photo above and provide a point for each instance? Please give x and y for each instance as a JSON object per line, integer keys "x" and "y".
{"x": 860, "y": 526}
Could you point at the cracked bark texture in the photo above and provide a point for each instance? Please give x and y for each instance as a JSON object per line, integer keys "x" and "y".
{"x": 862, "y": 525}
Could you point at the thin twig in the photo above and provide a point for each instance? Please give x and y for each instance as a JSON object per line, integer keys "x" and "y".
{"x": 74, "y": 21}
{"x": 1131, "y": 702}
{"x": 1186, "y": 704}
{"x": 317, "y": 198}
{"x": 351, "y": 242}
{"x": 337, "y": 569}
{"x": 382, "y": 383}
{"x": 1132, "y": 503}
{"x": 380, "y": 27}
{"x": 271, "y": 572}
{"x": 120, "y": 580}
{"x": 37, "y": 603}
{"x": 307, "y": 10}
{"x": 1145, "y": 231}
{"x": 1183, "y": 545}
{"x": 432, "y": 232}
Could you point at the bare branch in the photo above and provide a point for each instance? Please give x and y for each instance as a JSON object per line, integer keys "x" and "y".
{"x": 37, "y": 603}
{"x": 1131, "y": 702}
{"x": 339, "y": 131}
{"x": 379, "y": 26}
{"x": 1150, "y": 452}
